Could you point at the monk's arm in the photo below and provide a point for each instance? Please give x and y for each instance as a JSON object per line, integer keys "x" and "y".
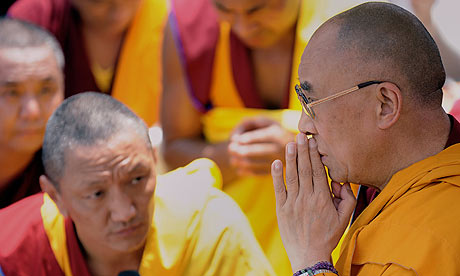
{"x": 181, "y": 121}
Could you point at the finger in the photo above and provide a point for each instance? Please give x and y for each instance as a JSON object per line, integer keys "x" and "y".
{"x": 244, "y": 133}
{"x": 261, "y": 151}
{"x": 318, "y": 172}
{"x": 240, "y": 129}
{"x": 292, "y": 179}
{"x": 251, "y": 124}
{"x": 336, "y": 188}
{"x": 304, "y": 165}
{"x": 278, "y": 183}
{"x": 347, "y": 205}
{"x": 273, "y": 133}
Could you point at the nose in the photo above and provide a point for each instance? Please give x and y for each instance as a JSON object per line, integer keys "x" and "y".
{"x": 243, "y": 26}
{"x": 306, "y": 124}
{"x": 122, "y": 208}
{"x": 30, "y": 108}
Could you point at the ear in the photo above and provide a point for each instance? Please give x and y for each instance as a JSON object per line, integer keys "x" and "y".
{"x": 390, "y": 104}
{"x": 49, "y": 188}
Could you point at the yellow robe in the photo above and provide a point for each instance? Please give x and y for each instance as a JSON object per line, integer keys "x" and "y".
{"x": 255, "y": 195}
{"x": 137, "y": 80}
{"x": 196, "y": 229}
{"x": 413, "y": 226}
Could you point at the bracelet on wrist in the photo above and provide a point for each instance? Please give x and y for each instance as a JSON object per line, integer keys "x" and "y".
{"x": 319, "y": 267}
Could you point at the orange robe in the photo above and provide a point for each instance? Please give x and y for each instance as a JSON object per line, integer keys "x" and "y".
{"x": 413, "y": 226}
{"x": 196, "y": 230}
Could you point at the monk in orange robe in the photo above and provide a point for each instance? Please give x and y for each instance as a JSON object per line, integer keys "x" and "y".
{"x": 370, "y": 86}
{"x": 104, "y": 211}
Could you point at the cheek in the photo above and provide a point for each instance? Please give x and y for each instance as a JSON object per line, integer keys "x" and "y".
{"x": 50, "y": 105}
{"x": 7, "y": 123}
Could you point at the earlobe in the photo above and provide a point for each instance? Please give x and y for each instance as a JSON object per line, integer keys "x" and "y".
{"x": 390, "y": 103}
{"x": 48, "y": 187}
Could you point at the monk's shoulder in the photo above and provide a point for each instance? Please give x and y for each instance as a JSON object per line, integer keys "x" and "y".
{"x": 25, "y": 248}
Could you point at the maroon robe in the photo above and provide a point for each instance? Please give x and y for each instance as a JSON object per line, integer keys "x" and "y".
{"x": 23, "y": 240}
{"x": 195, "y": 28}
{"x": 25, "y": 184}
{"x": 63, "y": 21}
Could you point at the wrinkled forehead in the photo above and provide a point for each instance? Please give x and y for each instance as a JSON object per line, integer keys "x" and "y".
{"x": 28, "y": 60}
{"x": 121, "y": 154}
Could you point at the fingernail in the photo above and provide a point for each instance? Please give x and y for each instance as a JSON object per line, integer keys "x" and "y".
{"x": 312, "y": 142}
{"x": 277, "y": 165}
{"x": 290, "y": 149}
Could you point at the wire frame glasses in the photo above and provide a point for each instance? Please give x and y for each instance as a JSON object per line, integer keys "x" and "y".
{"x": 308, "y": 104}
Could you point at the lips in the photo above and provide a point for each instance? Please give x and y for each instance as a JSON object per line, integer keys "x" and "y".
{"x": 128, "y": 230}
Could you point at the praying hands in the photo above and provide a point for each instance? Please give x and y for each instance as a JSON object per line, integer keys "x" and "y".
{"x": 311, "y": 219}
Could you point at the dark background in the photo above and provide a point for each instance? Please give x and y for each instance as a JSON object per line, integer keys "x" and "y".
{"x": 4, "y": 5}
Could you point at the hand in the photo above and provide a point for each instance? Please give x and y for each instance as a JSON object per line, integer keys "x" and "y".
{"x": 254, "y": 145}
{"x": 311, "y": 219}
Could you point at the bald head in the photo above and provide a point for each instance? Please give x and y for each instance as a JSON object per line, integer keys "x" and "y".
{"x": 384, "y": 42}
{"x": 85, "y": 120}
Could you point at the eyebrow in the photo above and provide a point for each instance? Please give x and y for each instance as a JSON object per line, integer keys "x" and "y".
{"x": 48, "y": 79}
{"x": 256, "y": 8}
{"x": 221, "y": 7}
{"x": 306, "y": 86}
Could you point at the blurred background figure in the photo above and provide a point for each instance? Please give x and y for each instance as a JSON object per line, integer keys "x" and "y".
{"x": 230, "y": 68}
{"x": 110, "y": 46}
{"x": 31, "y": 88}
{"x": 440, "y": 17}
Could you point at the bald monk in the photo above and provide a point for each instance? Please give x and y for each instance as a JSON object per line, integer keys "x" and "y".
{"x": 229, "y": 75}
{"x": 103, "y": 211}
{"x": 31, "y": 88}
{"x": 110, "y": 46}
{"x": 370, "y": 85}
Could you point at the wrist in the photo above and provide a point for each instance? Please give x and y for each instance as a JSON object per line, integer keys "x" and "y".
{"x": 316, "y": 269}
{"x": 308, "y": 262}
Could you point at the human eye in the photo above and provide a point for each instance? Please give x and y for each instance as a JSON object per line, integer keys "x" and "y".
{"x": 47, "y": 89}
{"x": 138, "y": 180}
{"x": 10, "y": 93}
{"x": 94, "y": 195}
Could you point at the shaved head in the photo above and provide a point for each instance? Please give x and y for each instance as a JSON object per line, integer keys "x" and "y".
{"x": 385, "y": 42}
{"x": 85, "y": 119}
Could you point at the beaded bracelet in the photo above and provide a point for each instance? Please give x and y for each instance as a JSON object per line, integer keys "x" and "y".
{"x": 319, "y": 267}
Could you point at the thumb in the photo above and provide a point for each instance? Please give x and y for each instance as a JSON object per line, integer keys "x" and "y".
{"x": 347, "y": 204}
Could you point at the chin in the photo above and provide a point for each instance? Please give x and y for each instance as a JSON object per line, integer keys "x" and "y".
{"x": 28, "y": 145}
{"x": 129, "y": 245}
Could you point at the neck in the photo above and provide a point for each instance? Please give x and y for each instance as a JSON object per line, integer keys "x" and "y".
{"x": 431, "y": 132}
{"x": 12, "y": 163}
{"x": 102, "y": 34}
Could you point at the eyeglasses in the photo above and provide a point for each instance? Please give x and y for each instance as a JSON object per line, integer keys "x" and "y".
{"x": 307, "y": 103}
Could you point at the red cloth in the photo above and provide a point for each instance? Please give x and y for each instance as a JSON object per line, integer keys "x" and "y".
{"x": 366, "y": 194}
{"x": 63, "y": 21}
{"x": 24, "y": 184}
{"x": 456, "y": 110}
{"x": 23, "y": 240}
{"x": 196, "y": 30}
